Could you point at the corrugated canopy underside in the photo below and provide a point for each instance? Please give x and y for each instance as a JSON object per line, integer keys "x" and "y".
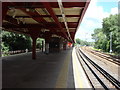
{"x": 45, "y": 16}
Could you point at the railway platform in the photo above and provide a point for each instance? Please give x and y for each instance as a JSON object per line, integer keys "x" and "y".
{"x": 55, "y": 70}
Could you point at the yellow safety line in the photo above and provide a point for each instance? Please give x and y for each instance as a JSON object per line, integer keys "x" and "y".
{"x": 77, "y": 74}
{"x": 62, "y": 78}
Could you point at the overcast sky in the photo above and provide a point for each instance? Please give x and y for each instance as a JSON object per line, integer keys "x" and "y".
{"x": 96, "y": 11}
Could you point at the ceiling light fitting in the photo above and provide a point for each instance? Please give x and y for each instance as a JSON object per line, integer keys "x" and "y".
{"x": 20, "y": 20}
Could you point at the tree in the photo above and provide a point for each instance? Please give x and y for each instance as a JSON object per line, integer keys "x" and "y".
{"x": 82, "y": 42}
{"x": 16, "y": 41}
{"x": 39, "y": 42}
{"x": 102, "y": 35}
{"x": 5, "y": 49}
{"x": 78, "y": 41}
{"x": 111, "y": 24}
{"x": 101, "y": 42}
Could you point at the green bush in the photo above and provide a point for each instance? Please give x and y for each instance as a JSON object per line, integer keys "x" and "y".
{"x": 5, "y": 49}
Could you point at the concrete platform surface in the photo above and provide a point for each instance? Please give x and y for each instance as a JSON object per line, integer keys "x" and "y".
{"x": 47, "y": 71}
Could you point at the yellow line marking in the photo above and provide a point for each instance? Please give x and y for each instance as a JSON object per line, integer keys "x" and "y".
{"x": 77, "y": 75}
{"x": 62, "y": 78}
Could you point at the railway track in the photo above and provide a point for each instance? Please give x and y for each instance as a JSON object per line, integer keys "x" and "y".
{"x": 104, "y": 56}
{"x": 97, "y": 76}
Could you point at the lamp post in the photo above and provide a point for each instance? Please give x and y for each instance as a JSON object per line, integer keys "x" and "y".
{"x": 110, "y": 42}
{"x": 86, "y": 36}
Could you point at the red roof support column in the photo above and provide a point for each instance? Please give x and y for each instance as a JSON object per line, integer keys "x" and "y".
{"x": 4, "y": 13}
{"x": 3, "y": 10}
{"x": 0, "y": 15}
{"x": 34, "y": 35}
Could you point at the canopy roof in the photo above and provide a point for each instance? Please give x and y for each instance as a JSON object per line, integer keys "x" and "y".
{"x": 59, "y": 19}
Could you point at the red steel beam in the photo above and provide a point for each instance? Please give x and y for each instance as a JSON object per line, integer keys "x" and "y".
{"x": 68, "y": 4}
{"x": 4, "y": 9}
{"x": 52, "y": 4}
{"x": 13, "y": 25}
{"x": 73, "y": 4}
{"x": 9, "y": 25}
{"x": 47, "y": 16}
{"x": 14, "y": 21}
{"x": 38, "y": 19}
{"x": 49, "y": 25}
{"x": 11, "y": 20}
{"x": 70, "y": 24}
{"x": 50, "y": 10}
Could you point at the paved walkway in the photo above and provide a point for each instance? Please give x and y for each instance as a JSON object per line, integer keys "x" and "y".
{"x": 47, "y": 71}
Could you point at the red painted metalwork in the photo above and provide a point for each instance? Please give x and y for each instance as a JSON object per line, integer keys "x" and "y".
{"x": 34, "y": 30}
{"x": 52, "y": 4}
{"x": 34, "y": 35}
{"x": 0, "y": 15}
{"x": 4, "y": 11}
{"x": 35, "y": 16}
{"x": 39, "y": 20}
{"x": 49, "y": 9}
{"x": 49, "y": 25}
{"x": 11, "y": 20}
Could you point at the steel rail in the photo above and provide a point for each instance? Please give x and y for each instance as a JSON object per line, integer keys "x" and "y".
{"x": 111, "y": 79}
{"x": 101, "y": 55}
{"x": 97, "y": 77}
{"x": 85, "y": 72}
